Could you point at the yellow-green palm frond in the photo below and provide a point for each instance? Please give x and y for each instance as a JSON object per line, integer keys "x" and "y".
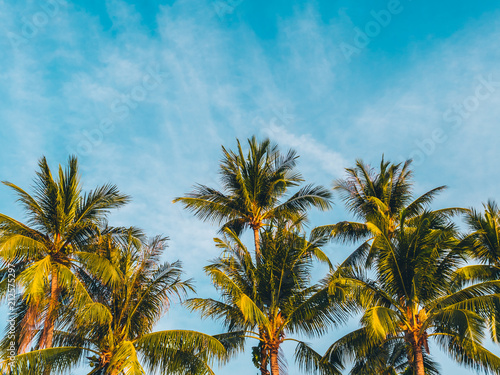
{"x": 167, "y": 350}
{"x": 61, "y": 360}
{"x": 35, "y": 279}
{"x": 125, "y": 361}
{"x": 311, "y": 362}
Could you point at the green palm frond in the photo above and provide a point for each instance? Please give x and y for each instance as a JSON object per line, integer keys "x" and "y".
{"x": 233, "y": 342}
{"x": 231, "y": 315}
{"x": 306, "y": 197}
{"x": 60, "y": 360}
{"x": 205, "y": 346}
{"x": 35, "y": 279}
{"x": 469, "y": 353}
{"x": 422, "y": 203}
{"x": 312, "y": 362}
{"x": 99, "y": 265}
{"x": 124, "y": 360}
{"x": 381, "y": 322}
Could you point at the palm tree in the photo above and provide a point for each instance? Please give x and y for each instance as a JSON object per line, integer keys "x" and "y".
{"x": 483, "y": 245}
{"x": 45, "y": 250}
{"x": 363, "y": 188}
{"x": 115, "y": 331}
{"x": 269, "y": 299}
{"x": 484, "y": 240}
{"x": 378, "y": 199}
{"x": 252, "y": 189}
{"x": 415, "y": 298}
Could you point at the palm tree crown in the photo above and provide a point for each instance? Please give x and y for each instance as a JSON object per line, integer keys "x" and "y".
{"x": 483, "y": 245}
{"x": 45, "y": 250}
{"x": 271, "y": 298}
{"x": 379, "y": 199}
{"x": 485, "y": 234}
{"x": 416, "y": 297}
{"x": 253, "y": 188}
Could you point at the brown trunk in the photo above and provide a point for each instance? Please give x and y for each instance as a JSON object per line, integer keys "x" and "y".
{"x": 263, "y": 355}
{"x": 257, "y": 242}
{"x": 48, "y": 329}
{"x": 263, "y": 361}
{"x": 263, "y": 358}
{"x": 263, "y": 367}
{"x": 275, "y": 369}
{"x": 418, "y": 359}
{"x": 28, "y": 327}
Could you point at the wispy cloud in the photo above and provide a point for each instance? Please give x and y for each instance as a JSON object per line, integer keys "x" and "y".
{"x": 315, "y": 153}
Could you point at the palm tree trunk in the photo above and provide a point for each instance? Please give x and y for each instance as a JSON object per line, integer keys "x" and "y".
{"x": 275, "y": 369}
{"x": 263, "y": 362}
{"x": 418, "y": 359}
{"x": 48, "y": 329}
{"x": 263, "y": 367}
{"x": 257, "y": 243}
{"x": 28, "y": 327}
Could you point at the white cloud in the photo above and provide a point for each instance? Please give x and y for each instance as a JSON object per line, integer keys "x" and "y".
{"x": 313, "y": 151}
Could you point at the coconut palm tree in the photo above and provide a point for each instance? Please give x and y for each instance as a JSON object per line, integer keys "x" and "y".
{"x": 484, "y": 239}
{"x": 270, "y": 299}
{"x": 363, "y": 187}
{"x": 378, "y": 199}
{"x": 483, "y": 246}
{"x": 253, "y": 187}
{"x": 115, "y": 331}
{"x": 415, "y": 298}
{"x": 45, "y": 250}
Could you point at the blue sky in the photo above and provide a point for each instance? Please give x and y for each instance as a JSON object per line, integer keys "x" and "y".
{"x": 145, "y": 93}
